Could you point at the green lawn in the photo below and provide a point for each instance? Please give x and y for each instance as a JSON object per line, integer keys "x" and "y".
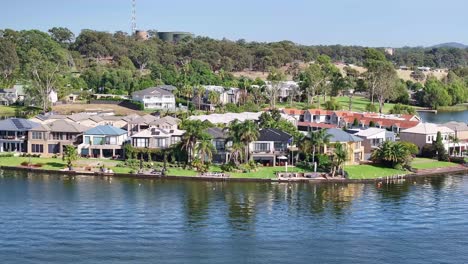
{"x": 423, "y": 163}
{"x": 47, "y": 163}
{"x": 12, "y": 110}
{"x": 371, "y": 171}
{"x": 359, "y": 104}
{"x": 264, "y": 172}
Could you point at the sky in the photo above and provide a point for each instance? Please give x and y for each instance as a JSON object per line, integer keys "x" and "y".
{"x": 377, "y": 23}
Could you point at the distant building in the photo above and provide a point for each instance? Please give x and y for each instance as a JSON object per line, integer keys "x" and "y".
{"x": 390, "y": 51}
{"x": 155, "y": 98}
{"x": 14, "y": 134}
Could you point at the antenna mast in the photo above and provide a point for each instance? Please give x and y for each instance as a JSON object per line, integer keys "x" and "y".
{"x": 133, "y": 16}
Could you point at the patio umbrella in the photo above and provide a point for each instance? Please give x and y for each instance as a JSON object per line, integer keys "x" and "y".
{"x": 286, "y": 163}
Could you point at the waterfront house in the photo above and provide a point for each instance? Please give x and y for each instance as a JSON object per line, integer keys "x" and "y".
{"x": 50, "y": 139}
{"x": 13, "y": 134}
{"x": 103, "y": 142}
{"x": 426, "y": 133}
{"x": 156, "y": 138}
{"x": 137, "y": 123}
{"x": 352, "y": 143}
{"x": 241, "y": 117}
{"x": 155, "y": 98}
{"x": 272, "y": 147}
{"x": 218, "y": 138}
{"x": 461, "y": 133}
{"x": 372, "y": 138}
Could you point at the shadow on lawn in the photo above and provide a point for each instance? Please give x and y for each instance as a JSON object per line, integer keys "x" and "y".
{"x": 55, "y": 164}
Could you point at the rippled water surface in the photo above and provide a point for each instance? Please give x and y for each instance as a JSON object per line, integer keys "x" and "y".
{"x": 53, "y": 219}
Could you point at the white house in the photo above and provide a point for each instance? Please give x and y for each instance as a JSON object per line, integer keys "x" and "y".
{"x": 103, "y": 141}
{"x": 155, "y": 98}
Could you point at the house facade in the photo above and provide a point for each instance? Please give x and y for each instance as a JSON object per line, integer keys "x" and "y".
{"x": 218, "y": 139}
{"x": 14, "y": 134}
{"x": 351, "y": 143}
{"x": 155, "y": 98}
{"x": 372, "y": 138}
{"x": 272, "y": 147}
{"x": 156, "y": 138}
{"x": 426, "y": 133}
{"x": 50, "y": 139}
{"x": 103, "y": 142}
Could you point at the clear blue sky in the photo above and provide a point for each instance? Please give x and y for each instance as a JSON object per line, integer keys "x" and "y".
{"x": 358, "y": 22}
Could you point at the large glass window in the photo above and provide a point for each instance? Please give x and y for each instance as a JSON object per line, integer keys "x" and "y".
{"x": 37, "y": 148}
{"x": 87, "y": 139}
{"x": 262, "y": 147}
{"x": 98, "y": 140}
{"x": 280, "y": 146}
{"x": 160, "y": 142}
{"x": 141, "y": 142}
{"x": 54, "y": 148}
{"x": 36, "y": 135}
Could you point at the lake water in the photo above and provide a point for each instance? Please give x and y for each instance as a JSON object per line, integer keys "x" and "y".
{"x": 53, "y": 219}
{"x": 443, "y": 117}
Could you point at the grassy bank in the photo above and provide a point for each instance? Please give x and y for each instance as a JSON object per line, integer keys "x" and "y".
{"x": 423, "y": 163}
{"x": 371, "y": 172}
{"x": 359, "y": 104}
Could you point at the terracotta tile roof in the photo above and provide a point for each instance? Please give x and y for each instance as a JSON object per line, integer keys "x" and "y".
{"x": 319, "y": 112}
{"x": 318, "y": 125}
{"x": 292, "y": 111}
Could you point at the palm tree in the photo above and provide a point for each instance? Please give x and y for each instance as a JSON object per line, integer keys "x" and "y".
{"x": 205, "y": 149}
{"x": 194, "y": 130}
{"x": 318, "y": 139}
{"x": 248, "y": 134}
{"x": 393, "y": 154}
{"x": 213, "y": 97}
{"x": 237, "y": 152}
{"x": 199, "y": 93}
{"x": 70, "y": 155}
{"x": 340, "y": 155}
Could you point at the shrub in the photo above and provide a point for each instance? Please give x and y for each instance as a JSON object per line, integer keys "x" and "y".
{"x": 428, "y": 151}
{"x": 411, "y": 147}
{"x": 459, "y": 160}
{"x": 332, "y": 105}
{"x": 371, "y": 107}
{"x": 24, "y": 163}
{"x": 6, "y": 155}
{"x": 228, "y": 167}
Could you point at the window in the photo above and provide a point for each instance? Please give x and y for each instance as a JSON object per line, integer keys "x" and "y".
{"x": 160, "y": 142}
{"x": 37, "y": 148}
{"x": 141, "y": 142}
{"x": 219, "y": 145}
{"x": 111, "y": 140}
{"x": 175, "y": 139}
{"x": 280, "y": 146}
{"x": 87, "y": 139}
{"x": 98, "y": 141}
{"x": 36, "y": 135}
{"x": 54, "y": 148}
{"x": 262, "y": 147}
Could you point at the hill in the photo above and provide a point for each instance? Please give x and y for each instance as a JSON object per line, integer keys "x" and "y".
{"x": 451, "y": 45}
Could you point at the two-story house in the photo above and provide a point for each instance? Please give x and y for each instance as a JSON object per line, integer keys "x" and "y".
{"x": 50, "y": 139}
{"x": 270, "y": 146}
{"x": 372, "y": 138}
{"x": 218, "y": 138}
{"x": 103, "y": 142}
{"x": 426, "y": 133}
{"x": 350, "y": 142}
{"x": 156, "y": 138}
{"x": 13, "y": 134}
{"x": 155, "y": 98}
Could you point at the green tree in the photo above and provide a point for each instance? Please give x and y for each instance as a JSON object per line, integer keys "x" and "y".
{"x": 205, "y": 149}
{"x": 439, "y": 148}
{"x": 393, "y": 154}
{"x": 318, "y": 139}
{"x": 339, "y": 157}
{"x": 62, "y": 35}
{"x": 69, "y": 155}
{"x": 435, "y": 94}
{"x": 275, "y": 77}
{"x": 9, "y": 62}
{"x": 142, "y": 53}
{"x": 194, "y": 131}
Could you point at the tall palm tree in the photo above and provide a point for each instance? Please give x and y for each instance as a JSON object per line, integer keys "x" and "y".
{"x": 194, "y": 130}
{"x": 199, "y": 92}
{"x": 250, "y": 133}
{"x": 318, "y": 139}
{"x": 237, "y": 152}
{"x": 455, "y": 141}
{"x": 205, "y": 149}
{"x": 340, "y": 155}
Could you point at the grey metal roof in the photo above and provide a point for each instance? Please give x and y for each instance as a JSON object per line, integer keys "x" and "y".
{"x": 273, "y": 134}
{"x": 152, "y": 91}
{"x": 216, "y": 132}
{"x": 79, "y": 117}
{"x": 338, "y": 135}
{"x": 17, "y": 124}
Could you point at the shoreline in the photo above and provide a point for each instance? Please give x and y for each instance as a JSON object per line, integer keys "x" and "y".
{"x": 425, "y": 173}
